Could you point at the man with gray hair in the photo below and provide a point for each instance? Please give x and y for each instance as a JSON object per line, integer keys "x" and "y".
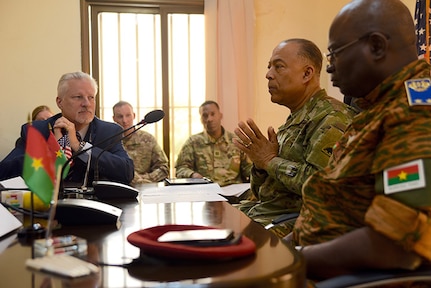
{"x": 77, "y": 128}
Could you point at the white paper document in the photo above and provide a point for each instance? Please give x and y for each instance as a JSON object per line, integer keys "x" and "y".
{"x": 14, "y": 183}
{"x": 9, "y": 221}
{"x": 182, "y": 193}
{"x": 235, "y": 189}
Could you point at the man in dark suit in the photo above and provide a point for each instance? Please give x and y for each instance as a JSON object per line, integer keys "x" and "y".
{"x": 76, "y": 128}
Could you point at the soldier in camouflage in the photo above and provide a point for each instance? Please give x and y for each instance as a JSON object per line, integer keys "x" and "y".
{"x": 151, "y": 163}
{"x": 371, "y": 206}
{"x": 302, "y": 145}
{"x": 211, "y": 153}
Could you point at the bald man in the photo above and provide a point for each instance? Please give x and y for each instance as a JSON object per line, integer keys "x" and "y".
{"x": 364, "y": 211}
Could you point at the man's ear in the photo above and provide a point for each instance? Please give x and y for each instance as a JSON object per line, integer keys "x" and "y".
{"x": 58, "y": 100}
{"x": 378, "y": 45}
{"x": 308, "y": 73}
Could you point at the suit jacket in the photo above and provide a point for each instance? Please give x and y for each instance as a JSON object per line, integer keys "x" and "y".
{"x": 113, "y": 161}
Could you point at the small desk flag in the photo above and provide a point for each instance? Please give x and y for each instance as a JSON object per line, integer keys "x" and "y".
{"x": 38, "y": 171}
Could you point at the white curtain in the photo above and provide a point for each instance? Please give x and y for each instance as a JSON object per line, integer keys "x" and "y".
{"x": 230, "y": 58}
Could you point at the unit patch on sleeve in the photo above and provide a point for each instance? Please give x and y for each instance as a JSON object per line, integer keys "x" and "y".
{"x": 418, "y": 91}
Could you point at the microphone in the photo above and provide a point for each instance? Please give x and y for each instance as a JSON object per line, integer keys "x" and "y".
{"x": 112, "y": 190}
{"x": 150, "y": 117}
{"x": 69, "y": 211}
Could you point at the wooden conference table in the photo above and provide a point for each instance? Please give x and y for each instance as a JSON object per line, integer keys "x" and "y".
{"x": 273, "y": 265}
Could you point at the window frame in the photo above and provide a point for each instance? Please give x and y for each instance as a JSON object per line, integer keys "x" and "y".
{"x": 89, "y": 47}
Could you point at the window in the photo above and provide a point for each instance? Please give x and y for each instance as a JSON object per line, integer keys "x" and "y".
{"x": 151, "y": 55}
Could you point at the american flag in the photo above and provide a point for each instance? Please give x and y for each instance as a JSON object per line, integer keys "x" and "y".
{"x": 422, "y": 22}
{"x": 64, "y": 143}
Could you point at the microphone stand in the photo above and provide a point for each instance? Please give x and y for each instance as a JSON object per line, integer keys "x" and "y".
{"x": 54, "y": 204}
{"x": 96, "y": 170}
{"x": 61, "y": 188}
{"x": 150, "y": 117}
{"x": 109, "y": 189}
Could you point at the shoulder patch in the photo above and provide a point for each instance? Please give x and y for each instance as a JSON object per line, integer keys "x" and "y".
{"x": 418, "y": 91}
{"x": 322, "y": 145}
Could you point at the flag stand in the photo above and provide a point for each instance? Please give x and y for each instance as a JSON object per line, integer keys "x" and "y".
{"x": 54, "y": 202}
{"x": 27, "y": 234}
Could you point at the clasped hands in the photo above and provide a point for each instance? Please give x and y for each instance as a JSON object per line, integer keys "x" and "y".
{"x": 62, "y": 125}
{"x": 259, "y": 149}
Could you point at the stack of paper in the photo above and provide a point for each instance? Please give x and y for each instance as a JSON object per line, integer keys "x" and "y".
{"x": 235, "y": 190}
{"x": 182, "y": 193}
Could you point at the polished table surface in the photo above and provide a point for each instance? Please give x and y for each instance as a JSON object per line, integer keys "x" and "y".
{"x": 274, "y": 264}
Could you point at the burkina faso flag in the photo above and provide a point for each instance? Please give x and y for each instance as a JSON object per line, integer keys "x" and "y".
{"x": 403, "y": 175}
{"x": 38, "y": 171}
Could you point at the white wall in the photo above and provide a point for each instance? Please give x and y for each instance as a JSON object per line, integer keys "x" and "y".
{"x": 40, "y": 40}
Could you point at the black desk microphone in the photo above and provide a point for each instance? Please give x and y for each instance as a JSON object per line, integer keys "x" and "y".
{"x": 91, "y": 212}
{"x": 150, "y": 117}
{"x": 104, "y": 190}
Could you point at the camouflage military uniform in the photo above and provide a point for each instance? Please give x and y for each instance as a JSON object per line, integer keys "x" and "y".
{"x": 387, "y": 133}
{"x": 306, "y": 141}
{"x": 151, "y": 163}
{"x": 218, "y": 160}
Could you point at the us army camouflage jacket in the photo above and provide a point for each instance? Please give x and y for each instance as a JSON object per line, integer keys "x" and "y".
{"x": 219, "y": 160}
{"x": 306, "y": 141}
{"x": 151, "y": 163}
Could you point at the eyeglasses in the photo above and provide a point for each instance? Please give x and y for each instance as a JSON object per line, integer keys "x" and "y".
{"x": 332, "y": 53}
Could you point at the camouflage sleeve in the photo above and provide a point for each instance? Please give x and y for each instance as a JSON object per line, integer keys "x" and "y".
{"x": 322, "y": 138}
{"x": 257, "y": 178}
{"x": 185, "y": 162}
{"x": 291, "y": 174}
{"x": 246, "y": 165}
{"x": 159, "y": 165}
{"x": 405, "y": 225}
{"x": 137, "y": 179}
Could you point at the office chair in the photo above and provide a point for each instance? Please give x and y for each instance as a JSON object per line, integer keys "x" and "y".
{"x": 366, "y": 279}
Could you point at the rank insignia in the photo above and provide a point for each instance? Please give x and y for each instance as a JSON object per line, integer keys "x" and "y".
{"x": 418, "y": 91}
